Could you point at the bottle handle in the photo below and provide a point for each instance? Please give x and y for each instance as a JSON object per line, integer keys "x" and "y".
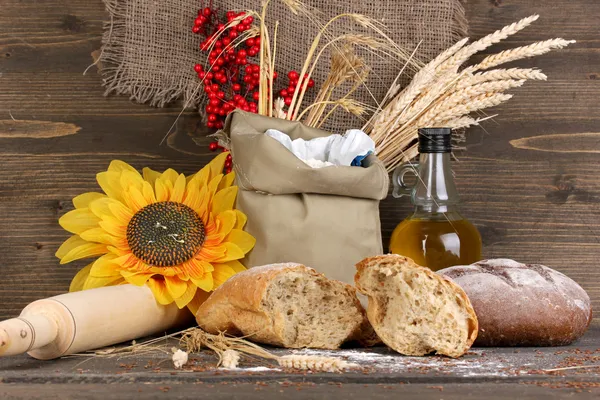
{"x": 400, "y": 187}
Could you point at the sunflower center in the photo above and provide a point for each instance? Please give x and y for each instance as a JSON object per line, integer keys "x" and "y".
{"x": 165, "y": 234}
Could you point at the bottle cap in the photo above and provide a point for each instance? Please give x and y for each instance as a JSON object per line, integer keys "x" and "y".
{"x": 435, "y": 140}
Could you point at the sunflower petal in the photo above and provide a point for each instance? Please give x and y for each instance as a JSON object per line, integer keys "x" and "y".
{"x": 243, "y": 240}
{"x": 99, "y": 235}
{"x": 224, "y": 200}
{"x": 217, "y": 164}
{"x": 170, "y": 175}
{"x": 120, "y": 212}
{"x": 221, "y": 273}
{"x": 236, "y": 266}
{"x": 205, "y": 283}
{"x": 192, "y": 196}
{"x": 131, "y": 179}
{"x": 120, "y": 166}
{"x": 175, "y": 286}
{"x": 150, "y": 175}
{"x": 178, "y": 189}
{"x": 93, "y": 282}
{"x": 159, "y": 289}
{"x": 202, "y": 177}
{"x": 80, "y": 278}
{"x": 148, "y": 193}
{"x": 113, "y": 227}
{"x": 84, "y": 200}
{"x": 134, "y": 199}
{"x": 136, "y": 278}
{"x": 196, "y": 268}
{"x": 200, "y": 297}
{"x": 233, "y": 252}
{"x": 85, "y": 250}
{"x": 100, "y": 206}
{"x": 227, "y": 181}
{"x": 187, "y": 296}
{"x": 105, "y": 267}
{"x": 68, "y": 245}
{"x": 226, "y": 222}
{"x": 79, "y": 220}
{"x": 162, "y": 192}
{"x": 241, "y": 219}
{"x": 110, "y": 183}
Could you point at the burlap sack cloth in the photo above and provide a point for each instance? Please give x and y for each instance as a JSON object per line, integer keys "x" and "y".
{"x": 149, "y": 49}
{"x": 325, "y": 218}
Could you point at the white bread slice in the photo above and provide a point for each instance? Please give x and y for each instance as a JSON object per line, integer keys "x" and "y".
{"x": 287, "y": 305}
{"x": 413, "y": 310}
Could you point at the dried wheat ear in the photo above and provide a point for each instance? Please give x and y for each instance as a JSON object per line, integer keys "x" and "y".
{"x": 415, "y": 311}
{"x": 443, "y": 94}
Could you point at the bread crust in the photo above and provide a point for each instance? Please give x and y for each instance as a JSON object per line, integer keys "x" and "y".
{"x": 375, "y": 313}
{"x": 523, "y": 304}
{"x": 236, "y": 306}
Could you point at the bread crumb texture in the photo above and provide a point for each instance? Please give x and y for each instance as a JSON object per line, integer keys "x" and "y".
{"x": 413, "y": 310}
{"x": 287, "y": 305}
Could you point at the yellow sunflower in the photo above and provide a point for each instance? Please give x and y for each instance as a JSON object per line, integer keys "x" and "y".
{"x": 180, "y": 236}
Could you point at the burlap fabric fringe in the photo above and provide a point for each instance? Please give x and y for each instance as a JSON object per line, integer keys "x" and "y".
{"x": 150, "y": 52}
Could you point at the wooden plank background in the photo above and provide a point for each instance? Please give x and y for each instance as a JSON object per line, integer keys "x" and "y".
{"x": 529, "y": 180}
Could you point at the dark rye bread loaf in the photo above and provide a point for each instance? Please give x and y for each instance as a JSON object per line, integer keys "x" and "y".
{"x": 523, "y": 304}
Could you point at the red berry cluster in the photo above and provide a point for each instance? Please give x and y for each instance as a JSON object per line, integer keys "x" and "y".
{"x": 230, "y": 79}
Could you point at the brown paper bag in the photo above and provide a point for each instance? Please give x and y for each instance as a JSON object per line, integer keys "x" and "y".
{"x": 326, "y": 218}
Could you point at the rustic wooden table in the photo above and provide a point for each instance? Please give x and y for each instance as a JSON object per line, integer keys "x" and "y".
{"x": 492, "y": 373}
{"x": 529, "y": 181}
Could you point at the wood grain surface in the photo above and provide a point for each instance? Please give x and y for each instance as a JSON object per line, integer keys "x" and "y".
{"x": 529, "y": 179}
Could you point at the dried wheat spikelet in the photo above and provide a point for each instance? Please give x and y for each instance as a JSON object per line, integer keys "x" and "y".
{"x": 315, "y": 363}
{"x": 230, "y": 359}
{"x": 519, "y": 53}
{"x": 479, "y": 102}
{"x": 278, "y": 108}
{"x": 501, "y": 74}
{"x": 462, "y": 122}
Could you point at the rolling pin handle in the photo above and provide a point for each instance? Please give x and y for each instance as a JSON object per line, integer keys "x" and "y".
{"x": 20, "y": 335}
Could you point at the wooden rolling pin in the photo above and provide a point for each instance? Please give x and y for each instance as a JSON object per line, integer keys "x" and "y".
{"x": 87, "y": 320}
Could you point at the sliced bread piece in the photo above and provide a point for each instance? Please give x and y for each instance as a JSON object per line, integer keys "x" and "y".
{"x": 287, "y": 305}
{"x": 413, "y": 310}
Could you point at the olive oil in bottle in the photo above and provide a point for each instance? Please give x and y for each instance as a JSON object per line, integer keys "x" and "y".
{"x": 435, "y": 235}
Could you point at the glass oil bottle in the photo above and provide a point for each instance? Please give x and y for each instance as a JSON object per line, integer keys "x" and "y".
{"x": 435, "y": 235}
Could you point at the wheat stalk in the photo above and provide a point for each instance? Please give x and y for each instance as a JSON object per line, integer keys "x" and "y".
{"x": 345, "y": 65}
{"x": 519, "y": 53}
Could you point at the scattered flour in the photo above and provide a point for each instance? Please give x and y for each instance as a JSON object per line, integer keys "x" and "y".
{"x": 465, "y": 366}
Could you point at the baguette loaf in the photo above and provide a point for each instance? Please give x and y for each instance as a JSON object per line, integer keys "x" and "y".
{"x": 413, "y": 310}
{"x": 523, "y": 304}
{"x": 287, "y": 305}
